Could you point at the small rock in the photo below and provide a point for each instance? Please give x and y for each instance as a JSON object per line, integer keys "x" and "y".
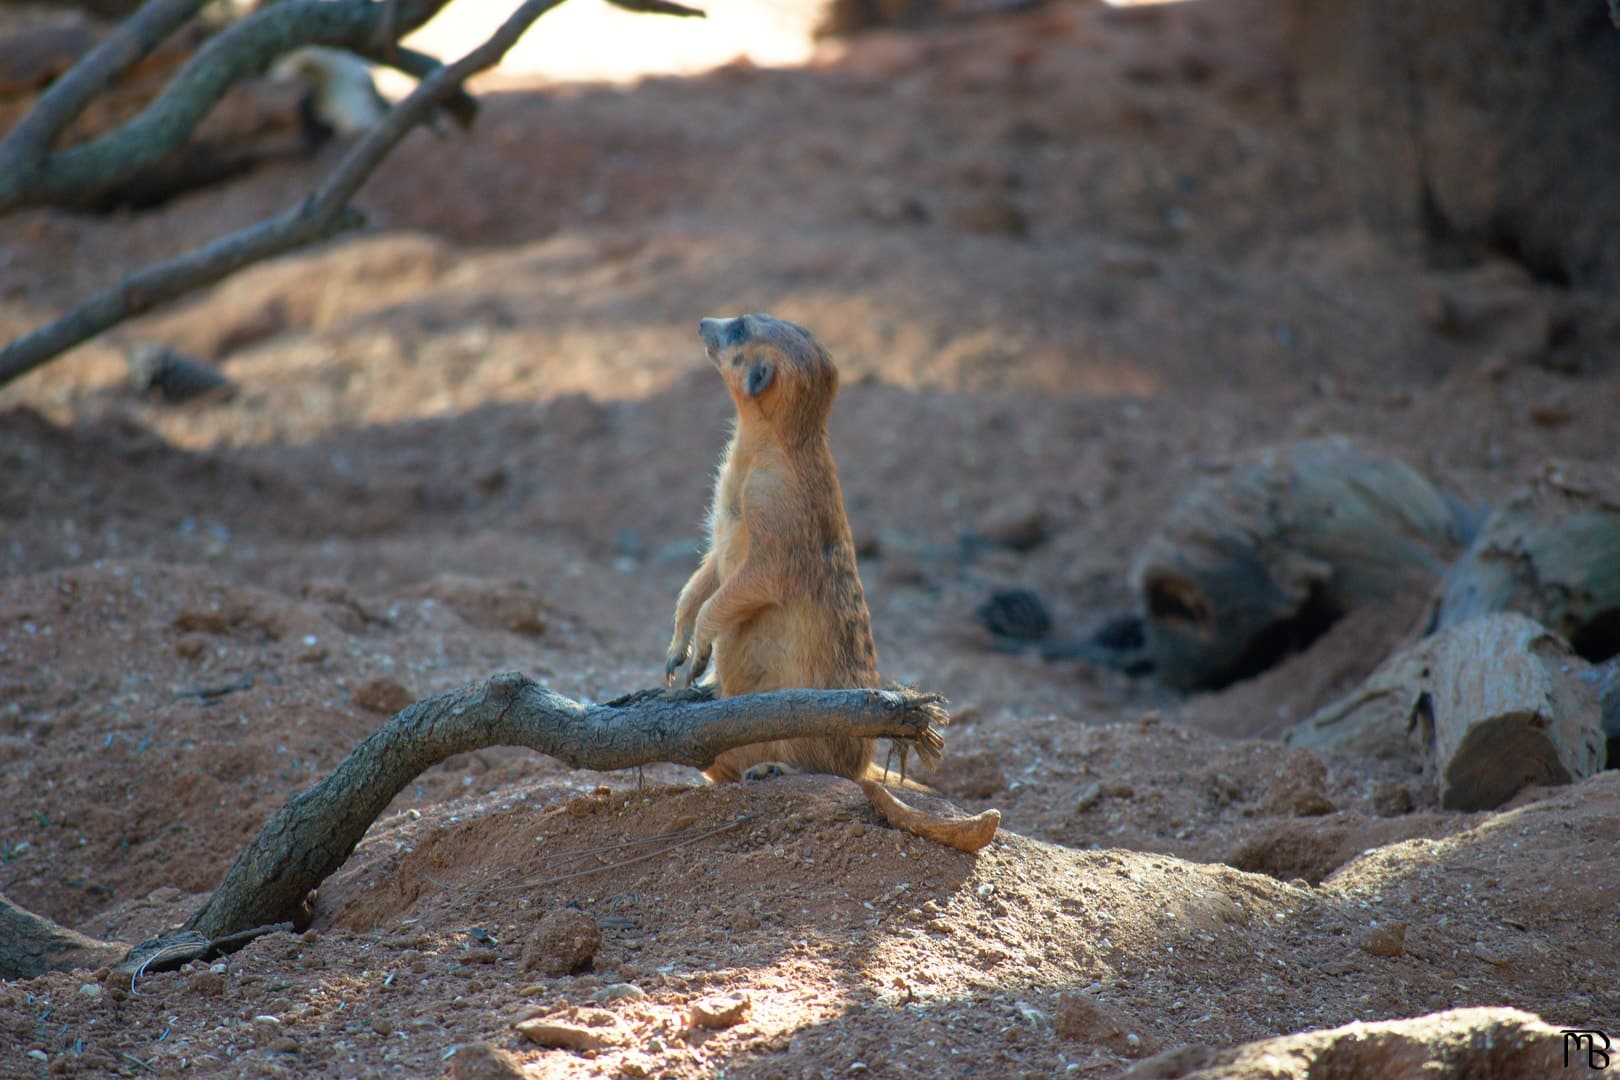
{"x": 172, "y": 377}
{"x": 384, "y": 696}
{"x": 1015, "y": 615}
{"x": 481, "y": 1061}
{"x": 1391, "y": 798}
{"x": 382, "y": 1025}
{"x": 621, "y": 991}
{"x": 560, "y": 1034}
{"x": 38, "y": 1055}
{"x": 266, "y": 1029}
{"x": 722, "y": 1011}
{"x": 1082, "y": 1017}
{"x": 565, "y": 942}
{"x": 994, "y": 213}
{"x": 1089, "y": 796}
{"x": 971, "y": 776}
{"x": 91, "y": 991}
{"x": 284, "y": 1044}
{"x": 1018, "y": 523}
{"x": 1386, "y": 940}
{"x": 208, "y": 983}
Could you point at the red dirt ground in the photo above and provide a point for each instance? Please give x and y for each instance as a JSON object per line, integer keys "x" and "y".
{"x": 1073, "y": 256}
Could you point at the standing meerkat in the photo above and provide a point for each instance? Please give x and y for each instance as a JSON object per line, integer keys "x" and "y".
{"x": 777, "y": 602}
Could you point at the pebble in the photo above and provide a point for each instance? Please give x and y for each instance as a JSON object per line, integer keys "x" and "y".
{"x": 561, "y": 1035}
{"x": 564, "y": 942}
{"x": 722, "y": 1010}
{"x": 91, "y": 991}
{"x": 621, "y": 991}
{"x": 1386, "y": 940}
{"x": 482, "y": 1061}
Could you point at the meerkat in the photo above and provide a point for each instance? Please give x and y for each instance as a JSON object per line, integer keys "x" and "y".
{"x": 777, "y": 601}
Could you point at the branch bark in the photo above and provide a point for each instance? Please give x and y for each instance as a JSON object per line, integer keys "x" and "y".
{"x": 31, "y": 945}
{"x": 31, "y": 174}
{"x": 312, "y": 835}
{"x": 22, "y": 150}
{"x": 321, "y": 215}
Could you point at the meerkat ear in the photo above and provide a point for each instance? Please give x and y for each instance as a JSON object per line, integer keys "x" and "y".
{"x": 760, "y": 374}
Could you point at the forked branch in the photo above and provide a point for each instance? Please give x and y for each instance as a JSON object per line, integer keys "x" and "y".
{"x": 30, "y": 173}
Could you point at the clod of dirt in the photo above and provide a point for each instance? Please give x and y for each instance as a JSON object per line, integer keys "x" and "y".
{"x": 1388, "y": 939}
{"x": 208, "y": 983}
{"x": 564, "y": 943}
{"x": 385, "y": 696}
{"x": 562, "y": 1035}
{"x": 1081, "y": 1017}
{"x": 1018, "y": 523}
{"x": 1297, "y": 789}
{"x": 975, "y": 775}
{"x": 722, "y": 1011}
{"x": 482, "y": 1061}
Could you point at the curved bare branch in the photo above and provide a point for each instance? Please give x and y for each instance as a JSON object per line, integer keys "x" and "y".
{"x": 311, "y": 836}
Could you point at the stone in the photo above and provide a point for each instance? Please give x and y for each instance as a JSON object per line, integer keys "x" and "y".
{"x": 722, "y": 1010}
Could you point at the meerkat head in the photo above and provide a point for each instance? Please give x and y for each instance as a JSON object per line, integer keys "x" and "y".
{"x": 773, "y": 368}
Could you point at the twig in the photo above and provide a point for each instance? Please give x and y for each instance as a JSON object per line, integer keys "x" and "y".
{"x": 186, "y": 945}
{"x": 461, "y": 106}
{"x": 664, "y": 7}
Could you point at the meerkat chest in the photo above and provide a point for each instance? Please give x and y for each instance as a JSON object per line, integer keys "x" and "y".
{"x": 728, "y": 533}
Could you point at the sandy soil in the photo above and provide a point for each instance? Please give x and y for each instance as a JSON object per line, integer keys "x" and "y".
{"x": 1070, "y": 258}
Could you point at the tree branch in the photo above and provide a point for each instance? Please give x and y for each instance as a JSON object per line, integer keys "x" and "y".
{"x": 321, "y": 215}
{"x": 36, "y": 176}
{"x": 312, "y": 835}
{"x": 28, "y": 143}
{"x": 462, "y": 106}
{"x": 31, "y": 945}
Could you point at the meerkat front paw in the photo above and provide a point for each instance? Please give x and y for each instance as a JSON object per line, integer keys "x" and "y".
{"x": 770, "y": 770}
{"x": 679, "y": 650}
{"x": 701, "y": 651}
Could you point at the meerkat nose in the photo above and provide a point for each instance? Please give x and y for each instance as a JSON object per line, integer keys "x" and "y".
{"x": 715, "y": 332}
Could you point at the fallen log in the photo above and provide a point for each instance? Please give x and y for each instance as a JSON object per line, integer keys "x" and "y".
{"x": 1486, "y": 707}
{"x": 1552, "y": 552}
{"x": 1256, "y": 563}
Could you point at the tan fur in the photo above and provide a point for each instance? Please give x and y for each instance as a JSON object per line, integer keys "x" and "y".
{"x": 777, "y": 602}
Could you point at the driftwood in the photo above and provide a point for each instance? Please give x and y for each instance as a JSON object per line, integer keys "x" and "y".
{"x": 31, "y": 945}
{"x": 1552, "y": 552}
{"x": 1486, "y": 707}
{"x": 963, "y": 833}
{"x": 1259, "y": 561}
{"x": 311, "y": 836}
